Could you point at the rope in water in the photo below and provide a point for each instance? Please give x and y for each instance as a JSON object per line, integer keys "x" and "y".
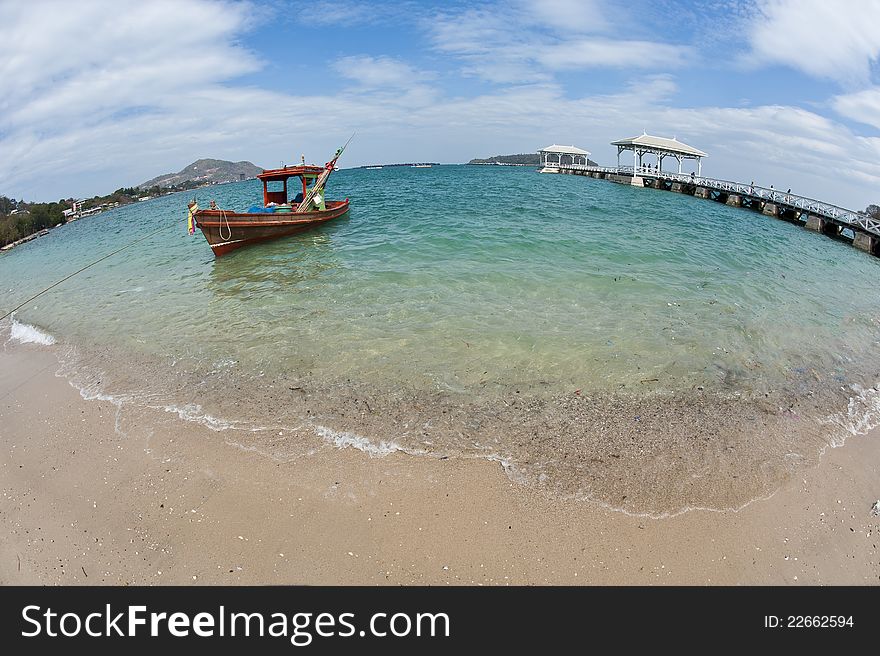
{"x": 55, "y": 284}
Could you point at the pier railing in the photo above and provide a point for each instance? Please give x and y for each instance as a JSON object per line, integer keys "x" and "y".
{"x": 768, "y": 194}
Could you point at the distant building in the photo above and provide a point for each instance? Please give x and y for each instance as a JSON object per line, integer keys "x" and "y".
{"x": 660, "y": 148}
{"x": 557, "y": 154}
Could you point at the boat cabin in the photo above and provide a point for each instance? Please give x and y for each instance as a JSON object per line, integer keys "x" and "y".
{"x": 275, "y": 186}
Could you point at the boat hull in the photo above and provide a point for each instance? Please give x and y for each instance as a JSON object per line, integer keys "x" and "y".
{"x": 228, "y": 231}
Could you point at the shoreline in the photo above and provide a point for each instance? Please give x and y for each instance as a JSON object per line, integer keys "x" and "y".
{"x": 173, "y": 502}
{"x": 655, "y": 455}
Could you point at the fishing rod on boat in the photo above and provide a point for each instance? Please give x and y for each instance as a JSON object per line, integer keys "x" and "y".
{"x": 68, "y": 277}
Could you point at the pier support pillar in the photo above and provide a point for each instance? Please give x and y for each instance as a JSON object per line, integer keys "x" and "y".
{"x": 866, "y": 242}
{"x": 637, "y": 181}
{"x": 701, "y": 192}
{"x": 735, "y": 200}
{"x": 770, "y": 209}
{"x": 816, "y": 223}
{"x": 676, "y": 187}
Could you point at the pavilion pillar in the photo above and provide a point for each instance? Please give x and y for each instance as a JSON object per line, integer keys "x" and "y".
{"x": 679, "y": 163}
{"x": 700, "y": 167}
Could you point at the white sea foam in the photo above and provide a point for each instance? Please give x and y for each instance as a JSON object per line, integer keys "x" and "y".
{"x": 510, "y": 469}
{"x": 92, "y": 392}
{"x": 343, "y": 439}
{"x": 862, "y": 414}
{"x": 26, "y": 333}
{"x": 193, "y": 412}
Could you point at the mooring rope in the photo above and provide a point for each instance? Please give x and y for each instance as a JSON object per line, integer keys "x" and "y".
{"x": 223, "y": 218}
{"x": 55, "y": 284}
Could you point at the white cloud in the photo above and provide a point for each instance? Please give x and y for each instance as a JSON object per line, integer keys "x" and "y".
{"x": 608, "y": 53}
{"x": 822, "y": 38}
{"x": 124, "y": 50}
{"x": 862, "y": 106}
{"x": 567, "y": 15}
{"x": 781, "y": 145}
{"x": 530, "y": 41}
{"x": 353, "y": 13}
{"x": 147, "y": 92}
{"x": 377, "y": 72}
{"x": 102, "y": 86}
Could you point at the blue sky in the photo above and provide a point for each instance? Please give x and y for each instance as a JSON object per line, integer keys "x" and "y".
{"x": 98, "y": 95}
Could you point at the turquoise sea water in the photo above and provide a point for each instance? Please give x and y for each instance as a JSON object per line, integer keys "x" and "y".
{"x": 464, "y": 285}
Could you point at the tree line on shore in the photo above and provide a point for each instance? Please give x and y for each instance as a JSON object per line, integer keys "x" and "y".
{"x": 19, "y": 218}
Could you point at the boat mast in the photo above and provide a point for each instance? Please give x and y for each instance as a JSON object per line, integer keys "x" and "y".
{"x": 309, "y": 198}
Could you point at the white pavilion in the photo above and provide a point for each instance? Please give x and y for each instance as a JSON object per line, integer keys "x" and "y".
{"x": 552, "y": 155}
{"x": 661, "y": 148}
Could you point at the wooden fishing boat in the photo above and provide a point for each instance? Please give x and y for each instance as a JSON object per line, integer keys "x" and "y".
{"x": 279, "y": 215}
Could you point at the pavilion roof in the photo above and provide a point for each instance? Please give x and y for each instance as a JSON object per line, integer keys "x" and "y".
{"x": 660, "y": 143}
{"x": 564, "y": 150}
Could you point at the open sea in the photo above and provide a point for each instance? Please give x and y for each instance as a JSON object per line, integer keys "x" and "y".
{"x": 645, "y": 350}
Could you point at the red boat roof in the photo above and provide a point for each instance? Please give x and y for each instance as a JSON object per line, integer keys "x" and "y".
{"x": 289, "y": 172}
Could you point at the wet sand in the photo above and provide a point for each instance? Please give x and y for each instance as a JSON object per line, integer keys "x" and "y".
{"x": 173, "y": 502}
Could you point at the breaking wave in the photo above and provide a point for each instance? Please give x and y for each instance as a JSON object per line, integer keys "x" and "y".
{"x": 24, "y": 333}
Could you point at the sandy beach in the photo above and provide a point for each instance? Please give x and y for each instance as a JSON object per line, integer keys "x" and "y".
{"x": 95, "y": 494}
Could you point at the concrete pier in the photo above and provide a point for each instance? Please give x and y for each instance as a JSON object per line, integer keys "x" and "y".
{"x": 866, "y": 242}
{"x": 857, "y": 228}
{"x": 825, "y": 226}
{"x": 816, "y": 223}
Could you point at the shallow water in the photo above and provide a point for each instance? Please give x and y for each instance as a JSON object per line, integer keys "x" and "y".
{"x": 549, "y": 322}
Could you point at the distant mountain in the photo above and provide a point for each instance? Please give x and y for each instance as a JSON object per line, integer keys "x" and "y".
{"x": 206, "y": 171}
{"x": 531, "y": 159}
